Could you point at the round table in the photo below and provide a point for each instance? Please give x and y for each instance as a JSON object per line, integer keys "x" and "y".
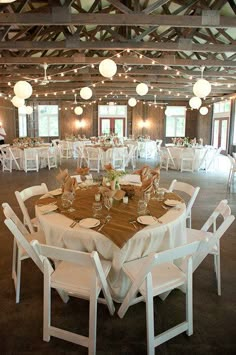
{"x": 111, "y": 242}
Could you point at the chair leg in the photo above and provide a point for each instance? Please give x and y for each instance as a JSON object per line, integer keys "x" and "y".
{"x": 189, "y": 306}
{"x": 46, "y": 307}
{"x": 13, "y": 272}
{"x": 150, "y": 321}
{"x": 218, "y": 272}
{"x": 18, "y": 277}
{"x": 92, "y": 324}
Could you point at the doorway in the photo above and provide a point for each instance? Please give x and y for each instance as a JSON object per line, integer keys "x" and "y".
{"x": 109, "y": 125}
{"x": 220, "y": 133}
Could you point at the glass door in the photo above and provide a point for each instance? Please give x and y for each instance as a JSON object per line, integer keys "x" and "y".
{"x": 112, "y": 125}
{"x": 220, "y": 133}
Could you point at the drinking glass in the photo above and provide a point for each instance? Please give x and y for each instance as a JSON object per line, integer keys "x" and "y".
{"x": 142, "y": 207}
{"x": 108, "y": 204}
{"x": 67, "y": 199}
{"x": 156, "y": 187}
{"x": 160, "y": 194}
{"x": 97, "y": 207}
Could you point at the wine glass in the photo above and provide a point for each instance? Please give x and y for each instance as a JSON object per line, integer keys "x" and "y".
{"x": 156, "y": 187}
{"x": 108, "y": 204}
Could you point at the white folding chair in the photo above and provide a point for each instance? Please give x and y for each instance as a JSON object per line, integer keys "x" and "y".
{"x": 31, "y": 160}
{"x": 24, "y": 195}
{"x": 10, "y": 156}
{"x": 21, "y": 247}
{"x": 218, "y": 228}
{"x": 191, "y": 191}
{"x": 166, "y": 159}
{"x": 93, "y": 158}
{"x": 65, "y": 149}
{"x": 158, "y": 144}
{"x": 81, "y": 155}
{"x": 119, "y": 157}
{"x": 232, "y": 171}
{"x": 187, "y": 159}
{"x": 214, "y": 155}
{"x": 81, "y": 275}
{"x": 132, "y": 155}
{"x": 52, "y": 157}
{"x": 154, "y": 275}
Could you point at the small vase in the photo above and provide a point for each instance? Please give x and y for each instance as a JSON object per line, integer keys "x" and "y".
{"x": 113, "y": 184}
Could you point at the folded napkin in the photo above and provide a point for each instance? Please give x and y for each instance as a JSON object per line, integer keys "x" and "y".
{"x": 70, "y": 184}
{"x": 62, "y": 176}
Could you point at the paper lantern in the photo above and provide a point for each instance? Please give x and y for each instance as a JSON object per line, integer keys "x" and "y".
{"x": 107, "y": 68}
{"x": 29, "y": 110}
{"x": 142, "y": 89}
{"x": 203, "y": 110}
{"x": 132, "y": 102}
{"x": 78, "y": 110}
{"x": 17, "y": 101}
{"x": 195, "y": 102}
{"x": 23, "y": 89}
{"x": 86, "y": 93}
{"x": 202, "y": 88}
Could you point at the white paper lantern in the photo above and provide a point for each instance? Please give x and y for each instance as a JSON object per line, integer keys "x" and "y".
{"x": 202, "y": 88}
{"x": 107, "y": 68}
{"x": 86, "y": 93}
{"x": 142, "y": 89}
{"x": 132, "y": 102}
{"x": 195, "y": 102}
{"x": 23, "y": 89}
{"x": 203, "y": 110}
{"x": 29, "y": 110}
{"x": 78, "y": 110}
{"x": 17, "y": 101}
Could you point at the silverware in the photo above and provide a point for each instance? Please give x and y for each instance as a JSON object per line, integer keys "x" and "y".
{"x": 133, "y": 224}
{"x": 104, "y": 223}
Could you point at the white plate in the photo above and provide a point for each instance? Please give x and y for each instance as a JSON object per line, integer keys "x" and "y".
{"x": 47, "y": 208}
{"x": 147, "y": 220}
{"x": 56, "y": 192}
{"x": 89, "y": 222}
{"x": 172, "y": 203}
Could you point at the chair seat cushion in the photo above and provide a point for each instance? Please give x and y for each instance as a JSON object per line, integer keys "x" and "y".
{"x": 77, "y": 279}
{"x": 165, "y": 277}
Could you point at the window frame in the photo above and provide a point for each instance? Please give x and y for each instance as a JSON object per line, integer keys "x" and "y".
{"x": 175, "y": 117}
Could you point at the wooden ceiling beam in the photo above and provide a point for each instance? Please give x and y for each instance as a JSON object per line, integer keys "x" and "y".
{"x": 66, "y": 18}
{"x": 120, "y": 6}
{"x": 79, "y": 59}
{"x": 151, "y": 8}
{"x": 181, "y": 45}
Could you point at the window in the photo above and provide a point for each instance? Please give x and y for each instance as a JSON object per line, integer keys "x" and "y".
{"x": 222, "y": 106}
{"x": 22, "y": 122}
{"x": 112, "y": 110}
{"x": 48, "y": 120}
{"x": 175, "y": 121}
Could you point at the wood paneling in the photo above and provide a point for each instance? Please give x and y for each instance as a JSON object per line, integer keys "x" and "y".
{"x": 7, "y": 117}
{"x": 204, "y": 125}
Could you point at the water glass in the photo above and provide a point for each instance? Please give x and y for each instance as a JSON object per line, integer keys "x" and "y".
{"x": 160, "y": 194}
{"x": 97, "y": 207}
{"x": 142, "y": 207}
{"x": 108, "y": 204}
{"x": 67, "y": 199}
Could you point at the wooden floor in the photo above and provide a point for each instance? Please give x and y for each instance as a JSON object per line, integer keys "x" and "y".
{"x": 214, "y": 317}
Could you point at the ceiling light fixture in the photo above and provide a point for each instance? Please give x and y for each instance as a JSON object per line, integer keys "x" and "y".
{"x": 202, "y": 87}
{"x": 107, "y": 68}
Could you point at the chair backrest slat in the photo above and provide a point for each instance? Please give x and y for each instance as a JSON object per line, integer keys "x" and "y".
{"x": 10, "y": 214}
{"x": 23, "y": 242}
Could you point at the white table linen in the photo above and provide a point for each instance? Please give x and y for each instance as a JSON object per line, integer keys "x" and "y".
{"x": 168, "y": 234}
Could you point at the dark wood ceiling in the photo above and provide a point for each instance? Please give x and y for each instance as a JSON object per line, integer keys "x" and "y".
{"x": 162, "y": 43}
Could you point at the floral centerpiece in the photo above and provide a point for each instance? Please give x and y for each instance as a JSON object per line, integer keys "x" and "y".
{"x": 112, "y": 176}
{"x": 28, "y": 141}
{"x": 185, "y": 141}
